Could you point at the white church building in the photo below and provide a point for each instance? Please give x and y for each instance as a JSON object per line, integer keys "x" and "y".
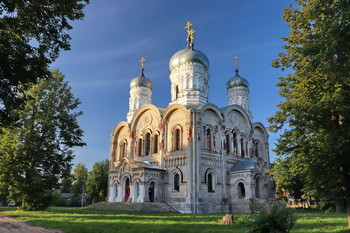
{"x": 192, "y": 155}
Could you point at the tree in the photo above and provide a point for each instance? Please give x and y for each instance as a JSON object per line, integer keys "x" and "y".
{"x": 66, "y": 184}
{"x": 32, "y": 33}
{"x": 80, "y": 177}
{"x": 97, "y": 182}
{"x": 315, "y": 113}
{"x": 36, "y": 153}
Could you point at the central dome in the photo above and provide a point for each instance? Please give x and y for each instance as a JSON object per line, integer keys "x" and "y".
{"x": 187, "y": 55}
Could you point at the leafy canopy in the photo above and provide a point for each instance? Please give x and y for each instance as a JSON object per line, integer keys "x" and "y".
{"x": 36, "y": 153}
{"x": 32, "y": 33}
{"x": 315, "y": 113}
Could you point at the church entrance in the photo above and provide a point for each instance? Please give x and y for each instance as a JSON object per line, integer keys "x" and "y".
{"x": 127, "y": 190}
{"x": 151, "y": 192}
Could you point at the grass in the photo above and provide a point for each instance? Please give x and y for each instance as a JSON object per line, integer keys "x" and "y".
{"x": 79, "y": 220}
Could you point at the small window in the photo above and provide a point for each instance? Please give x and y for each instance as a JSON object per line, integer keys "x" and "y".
{"x": 210, "y": 183}
{"x": 256, "y": 148}
{"x": 242, "y": 148}
{"x": 148, "y": 144}
{"x": 257, "y": 187}
{"x": 116, "y": 190}
{"x": 235, "y": 144}
{"x": 228, "y": 144}
{"x": 139, "y": 147}
{"x": 137, "y": 189}
{"x": 176, "y": 92}
{"x": 155, "y": 144}
{"x": 208, "y": 139}
{"x": 176, "y": 182}
{"x": 241, "y": 190}
{"x": 177, "y": 142}
{"x": 123, "y": 149}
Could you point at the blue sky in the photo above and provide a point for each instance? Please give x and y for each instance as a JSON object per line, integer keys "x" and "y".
{"x": 108, "y": 44}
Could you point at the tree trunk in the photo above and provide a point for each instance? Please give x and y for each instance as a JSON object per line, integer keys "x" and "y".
{"x": 348, "y": 209}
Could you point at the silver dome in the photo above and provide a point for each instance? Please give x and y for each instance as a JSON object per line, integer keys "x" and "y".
{"x": 237, "y": 81}
{"x": 188, "y": 55}
{"x": 141, "y": 81}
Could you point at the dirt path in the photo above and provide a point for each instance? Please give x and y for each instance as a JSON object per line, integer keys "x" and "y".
{"x": 11, "y": 225}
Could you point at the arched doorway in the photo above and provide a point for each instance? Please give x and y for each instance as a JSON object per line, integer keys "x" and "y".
{"x": 127, "y": 189}
{"x": 151, "y": 192}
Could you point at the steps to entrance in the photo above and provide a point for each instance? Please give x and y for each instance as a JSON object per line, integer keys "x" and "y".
{"x": 134, "y": 207}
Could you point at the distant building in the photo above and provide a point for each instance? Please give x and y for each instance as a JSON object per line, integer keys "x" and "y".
{"x": 193, "y": 155}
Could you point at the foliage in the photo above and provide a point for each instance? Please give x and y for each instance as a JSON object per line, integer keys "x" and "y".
{"x": 97, "y": 182}
{"x": 80, "y": 177}
{"x": 66, "y": 184}
{"x": 56, "y": 200}
{"x": 32, "y": 33}
{"x": 315, "y": 114}
{"x": 36, "y": 153}
{"x": 278, "y": 220}
{"x": 79, "y": 220}
{"x": 244, "y": 220}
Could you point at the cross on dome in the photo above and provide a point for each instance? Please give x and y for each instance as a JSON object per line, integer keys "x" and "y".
{"x": 235, "y": 60}
{"x": 190, "y": 33}
{"x": 142, "y": 62}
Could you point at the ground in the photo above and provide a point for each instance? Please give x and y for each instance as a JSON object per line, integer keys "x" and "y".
{"x": 11, "y": 225}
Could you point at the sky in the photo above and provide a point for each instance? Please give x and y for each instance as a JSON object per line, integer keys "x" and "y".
{"x": 107, "y": 45}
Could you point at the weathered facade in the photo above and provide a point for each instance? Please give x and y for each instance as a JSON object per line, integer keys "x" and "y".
{"x": 194, "y": 156}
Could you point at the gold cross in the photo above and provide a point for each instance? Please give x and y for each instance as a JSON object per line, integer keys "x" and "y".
{"x": 236, "y": 61}
{"x": 188, "y": 25}
{"x": 190, "y": 33}
{"x": 142, "y": 62}
{"x": 189, "y": 30}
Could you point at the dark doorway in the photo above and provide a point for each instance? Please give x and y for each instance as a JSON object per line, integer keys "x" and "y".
{"x": 127, "y": 189}
{"x": 151, "y": 192}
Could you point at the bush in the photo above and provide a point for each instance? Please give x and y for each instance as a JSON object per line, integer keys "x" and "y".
{"x": 278, "y": 220}
{"x": 244, "y": 220}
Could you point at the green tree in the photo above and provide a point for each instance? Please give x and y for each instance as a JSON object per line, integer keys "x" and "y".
{"x": 32, "y": 33}
{"x": 80, "y": 177}
{"x": 66, "y": 184}
{"x": 97, "y": 182}
{"x": 315, "y": 113}
{"x": 36, "y": 153}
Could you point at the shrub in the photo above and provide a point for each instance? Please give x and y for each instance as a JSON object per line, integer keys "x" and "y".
{"x": 244, "y": 220}
{"x": 278, "y": 220}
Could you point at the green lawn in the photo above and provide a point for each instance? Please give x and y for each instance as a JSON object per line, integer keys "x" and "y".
{"x": 78, "y": 220}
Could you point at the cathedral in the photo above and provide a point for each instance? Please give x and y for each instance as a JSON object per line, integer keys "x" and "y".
{"x": 192, "y": 155}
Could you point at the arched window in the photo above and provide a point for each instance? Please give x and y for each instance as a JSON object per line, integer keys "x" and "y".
{"x": 137, "y": 189}
{"x": 177, "y": 141}
{"x": 123, "y": 148}
{"x": 148, "y": 144}
{"x": 228, "y": 144}
{"x": 208, "y": 139}
{"x": 242, "y": 148}
{"x": 257, "y": 187}
{"x": 235, "y": 144}
{"x": 176, "y": 182}
{"x": 116, "y": 190}
{"x": 210, "y": 183}
{"x": 241, "y": 190}
{"x": 139, "y": 147}
{"x": 155, "y": 144}
{"x": 256, "y": 148}
{"x": 176, "y": 92}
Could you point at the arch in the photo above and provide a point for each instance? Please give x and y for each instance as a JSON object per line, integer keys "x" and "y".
{"x": 155, "y": 142}
{"x": 257, "y": 145}
{"x": 145, "y": 108}
{"x": 213, "y": 108}
{"x": 208, "y": 139}
{"x": 139, "y": 146}
{"x": 123, "y": 148}
{"x": 177, "y": 137}
{"x": 241, "y": 190}
{"x": 210, "y": 182}
{"x": 242, "y": 147}
{"x": 147, "y": 143}
{"x": 228, "y": 143}
{"x": 151, "y": 190}
{"x": 126, "y": 189}
{"x": 235, "y": 143}
{"x": 226, "y": 111}
{"x": 176, "y": 182}
{"x": 116, "y": 190}
{"x": 258, "y": 187}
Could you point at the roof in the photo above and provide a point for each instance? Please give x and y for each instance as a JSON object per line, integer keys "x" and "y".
{"x": 244, "y": 165}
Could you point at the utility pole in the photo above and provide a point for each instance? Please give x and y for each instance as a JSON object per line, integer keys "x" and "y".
{"x": 82, "y": 197}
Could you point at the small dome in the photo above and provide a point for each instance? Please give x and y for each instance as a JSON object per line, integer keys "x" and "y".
{"x": 186, "y": 55}
{"x": 141, "y": 81}
{"x": 237, "y": 81}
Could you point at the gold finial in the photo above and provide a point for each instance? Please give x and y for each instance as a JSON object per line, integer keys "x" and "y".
{"x": 190, "y": 31}
{"x": 142, "y": 62}
{"x": 236, "y": 62}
